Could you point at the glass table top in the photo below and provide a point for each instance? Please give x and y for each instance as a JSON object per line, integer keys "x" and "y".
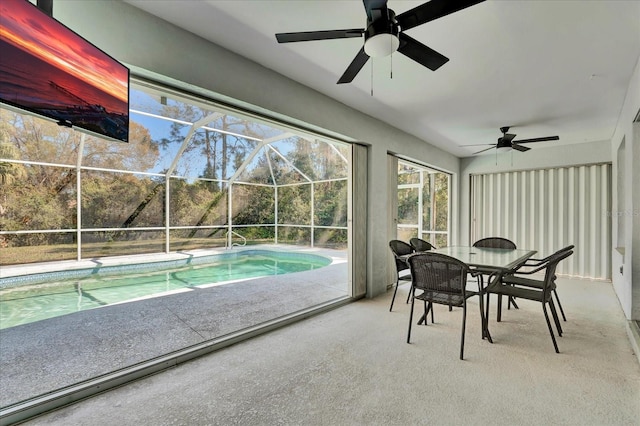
{"x": 487, "y": 258}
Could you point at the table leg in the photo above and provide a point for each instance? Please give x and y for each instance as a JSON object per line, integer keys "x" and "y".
{"x": 484, "y": 316}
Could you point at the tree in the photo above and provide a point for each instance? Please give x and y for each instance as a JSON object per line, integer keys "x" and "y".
{"x": 213, "y": 151}
{"x": 10, "y": 172}
{"x": 43, "y": 196}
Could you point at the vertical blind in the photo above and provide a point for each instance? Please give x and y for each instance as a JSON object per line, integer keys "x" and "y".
{"x": 547, "y": 209}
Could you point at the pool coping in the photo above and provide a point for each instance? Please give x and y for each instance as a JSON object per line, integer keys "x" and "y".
{"x": 10, "y": 271}
{"x": 113, "y": 267}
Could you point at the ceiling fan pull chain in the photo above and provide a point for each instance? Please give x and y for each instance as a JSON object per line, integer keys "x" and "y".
{"x": 371, "y": 76}
{"x": 391, "y": 59}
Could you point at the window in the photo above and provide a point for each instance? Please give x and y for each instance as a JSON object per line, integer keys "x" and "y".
{"x": 193, "y": 176}
{"x": 423, "y": 204}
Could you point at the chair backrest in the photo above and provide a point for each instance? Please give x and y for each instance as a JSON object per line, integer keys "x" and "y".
{"x": 550, "y": 272}
{"x": 533, "y": 265}
{"x": 438, "y": 272}
{"x": 495, "y": 242}
{"x": 400, "y": 248}
{"x": 419, "y": 244}
{"x": 562, "y": 250}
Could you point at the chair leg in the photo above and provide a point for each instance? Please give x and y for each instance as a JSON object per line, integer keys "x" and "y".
{"x": 554, "y": 313}
{"x": 553, "y": 337}
{"x": 428, "y": 307}
{"x": 555, "y": 293}
{"x": 426, "y": 312}
{"x": 486, "y": 315}
{"x": 499, "y": 314}
{"x": 464, "y": 322}
{"x": 394, "y": 294}
{"x": 411, "y": 320}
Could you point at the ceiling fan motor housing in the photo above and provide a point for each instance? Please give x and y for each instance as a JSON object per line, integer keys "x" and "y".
{"x": 381, "y": 36}
{"x": 503, "y": 143}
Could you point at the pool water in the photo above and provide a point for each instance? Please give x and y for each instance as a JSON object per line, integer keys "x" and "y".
{"x": 35, "y": 302}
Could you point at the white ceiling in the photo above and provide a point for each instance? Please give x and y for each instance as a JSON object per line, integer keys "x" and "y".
{"x": 543, "y": 67}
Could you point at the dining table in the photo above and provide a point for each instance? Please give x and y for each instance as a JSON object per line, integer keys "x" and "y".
{"x": 494, "y": 262}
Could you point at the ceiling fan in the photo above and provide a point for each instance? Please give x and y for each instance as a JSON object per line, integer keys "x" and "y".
{"x": 506, "y": 141}
{"x": 384, "y": 33}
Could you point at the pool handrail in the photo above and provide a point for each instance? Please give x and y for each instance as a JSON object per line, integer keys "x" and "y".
{"x": 227, "y": 241}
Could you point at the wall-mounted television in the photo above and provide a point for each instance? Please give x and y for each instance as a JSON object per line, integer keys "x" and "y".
{"x": 48, "y": 70}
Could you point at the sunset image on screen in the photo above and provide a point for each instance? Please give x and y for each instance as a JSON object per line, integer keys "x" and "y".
{"x": 68, "y": 70}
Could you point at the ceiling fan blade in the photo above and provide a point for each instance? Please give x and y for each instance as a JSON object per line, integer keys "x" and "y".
{"x": 354, "y": 67}
{"x": 520, "y": 147}
{"x": 547, "y": 138}
{"x": 483, "y": 150}
{"x": 420, "y": 53}
{"x": 431, "y": 10}
{"x": 318, "y": 35}
{"x": 508, "y": 137}
{"x": 479, "y": 144}
{"x": 374, "y": 8}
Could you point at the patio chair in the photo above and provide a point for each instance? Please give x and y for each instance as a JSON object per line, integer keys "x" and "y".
{"x": 420, "y": 245}
{"x": 443, "y": 280}
{"x": 500, "y": 243}
{"x": 541, "y": 294}
{"x": 531, "y": 266}
{"x": 399, "y": 249}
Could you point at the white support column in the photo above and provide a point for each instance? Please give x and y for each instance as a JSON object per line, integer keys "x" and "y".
{"x": 449, "y": 209}
{"x": 275, "y": 207}
{"x": 230, "y": 216}
{"x": 312, "y": 213}
{"x": 421, "y": 205}
{"x": 79, "y": 198}
{"x": 167, "y": 216}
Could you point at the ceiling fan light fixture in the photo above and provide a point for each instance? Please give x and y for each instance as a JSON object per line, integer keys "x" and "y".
{"x": 504, "y": 148}
{"x": 381, "y": 45}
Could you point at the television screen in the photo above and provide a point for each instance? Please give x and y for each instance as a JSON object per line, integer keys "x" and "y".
{"x": 48, "y": 70}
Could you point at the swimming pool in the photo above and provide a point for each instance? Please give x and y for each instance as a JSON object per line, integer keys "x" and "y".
{"x": 35, "y": 297}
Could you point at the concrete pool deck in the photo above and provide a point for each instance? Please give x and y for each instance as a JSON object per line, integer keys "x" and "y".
{"x": 43, "y": 356}
{"x": 352, "y": 366}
